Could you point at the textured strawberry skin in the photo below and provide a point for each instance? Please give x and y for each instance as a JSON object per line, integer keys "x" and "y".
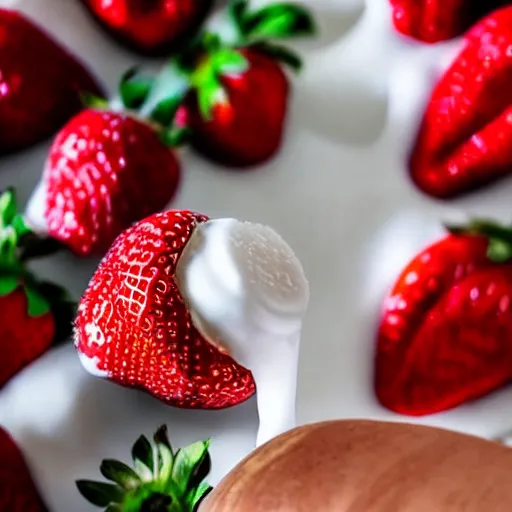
{"x": 432, "y": 21}
{"x": 132, "y": 320}
{"x": 249, "y": 130}
{"x": 22, "y": 338}
{"x": 105, "y": 171}
{"x": 446, "y": 332}
{"x": 150, "y": 27}
{"x": 465, "y": 139}
{"x": 18, "y": 492}
{"x": 40, "y": 83}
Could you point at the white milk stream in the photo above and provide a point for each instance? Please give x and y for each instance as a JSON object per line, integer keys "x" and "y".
{"x": 247, "y": 294}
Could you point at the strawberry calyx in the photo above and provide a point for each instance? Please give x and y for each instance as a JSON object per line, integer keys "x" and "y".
{"x": 161, "y": 479}
{"x": 18, "y": 246}
{"x": 499, "y": 249}
{"x": 210, "y": 57}
{"x": 154, "y": 100}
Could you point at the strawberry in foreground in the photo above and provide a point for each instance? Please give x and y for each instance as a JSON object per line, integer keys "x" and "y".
{"x": 465, "y": 138}
{"x": 40, "y": 83}
{"x": 34, "y": 315}
{"x": 432, "y": 21}
{"x": 18, "y": 492}
{"x": 134, "y": 328}
{"x": 154, "y": 27}
{"x": 107, "y": 168}
{"x": 161, "y": 480}
{"x": 445, "y": 336}
{"x": 239, "y": 93}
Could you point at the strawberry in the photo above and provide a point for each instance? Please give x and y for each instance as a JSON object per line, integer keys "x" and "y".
{"x": 237, "y": 105}
{"x": 39, "y": 90}
{"x": 150, "y": 27}
{"x": 432, "y": 21}
{"x": 162, "y": 480}
{"x": 134, "y": 328}
{"x": 107, "y": 169}
{"x": 29, "y": 309}
{"x": 18, "y": 492}
{"x": 445, "y": 336}
{"x": 466, "y": 133}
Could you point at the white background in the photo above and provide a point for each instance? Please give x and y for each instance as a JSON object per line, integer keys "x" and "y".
{"x": 338, "y": 193}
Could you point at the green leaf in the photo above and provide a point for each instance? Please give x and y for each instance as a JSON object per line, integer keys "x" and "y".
{"x": 99, "y": 493}
{"x": 281, "y": 54}
{"x": 165, "y": 455}
{"x": 199, "y": 495}
{"x": 165, "y": 110}
{"x": 280, "y": 21}
{"x": 92, "y": 101}
{"x": 210, "y": 94}
{"x": 120, "y": 473}
{"x": 8, "y": 284}
{"x": 228, "y": 61}
{"x": 200, "y": 472}
{"x": 37, "y": 304}
{"x": 114, "y": 508}
{"x": 20, "y": 226}
{"x": 175, "y": 137}
{"x": 238, "y": 10}
{"x": 134, "y": 91}
{"x": 186, "y": 461}
{"x": 499, "y": 251}
{"x": 142, "y": 454}
{"x": 8, "y": 207}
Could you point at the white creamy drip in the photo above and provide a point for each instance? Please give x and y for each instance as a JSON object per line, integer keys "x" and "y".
{"x": 247, "y": 294}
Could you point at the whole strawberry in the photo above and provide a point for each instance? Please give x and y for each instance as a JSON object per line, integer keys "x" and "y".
{"x": 162, "y": 479}
{"x": 30, "y": 310}
{"x": 431, "y": 21}
{"x": 39, "y": 89}
{"x": 445, "y": 335}
{"x": 18, "y": 492}
{"x": 237, "y": 107}
{"x": 134, "y": 328}
{"x": 465, "y": 138}
{"x": 106, "y": 169}
{"x": 150, "y": 27}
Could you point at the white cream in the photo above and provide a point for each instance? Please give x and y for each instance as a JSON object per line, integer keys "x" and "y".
{"x": 90, "y": 364}
{"x": 247, "y": 294}
{"x": 34, "y": 212}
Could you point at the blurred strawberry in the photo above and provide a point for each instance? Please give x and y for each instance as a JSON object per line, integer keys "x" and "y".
{"x": 465, "y": 138}
{"x": 445, "y": 335}
{"x": 40, "y": 83}
{"x": 162, "y": 480}
{"x": 431, "y": 21}
{"x": 31, "y": 311}
{"x": 238, "y": 103}
{"x": 18, "y": 493}
{"x": 107, "y": 168}
{"x": 133, "y": 326}
{"x": 150, "y": 27}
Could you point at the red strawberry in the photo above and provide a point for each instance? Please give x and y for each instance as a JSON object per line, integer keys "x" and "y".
{"x": 465, "y": 138}
{"x": 151, "y": 27}
{"x": 439, "y": 20}
{"x": 39, "y": 90}
{"x": 28, "y": 308}
{"x": 18, "y": 492}
{"x": 133, "y": 325}
{"x": 105, "y": 170}
{"x": 161, "y": 479}
{"x": 239, "y": 99}
{"x": 446, "y": 332}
